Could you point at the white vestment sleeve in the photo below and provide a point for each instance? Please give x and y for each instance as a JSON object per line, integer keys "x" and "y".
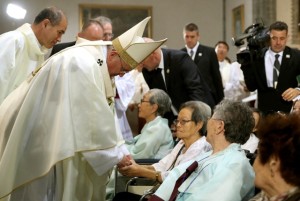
{"x": 103, "y": 160}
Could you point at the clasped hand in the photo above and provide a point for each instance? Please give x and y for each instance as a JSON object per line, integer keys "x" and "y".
{"x": 126, "y": 161}
{"x": 130, "y": 170}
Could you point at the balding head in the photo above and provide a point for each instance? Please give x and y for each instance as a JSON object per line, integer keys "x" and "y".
{"x": 153, "y": 60}
{"x": 53, "y": 14}
{"x": 92, "y": 30}
{"x": 148, "y": 40}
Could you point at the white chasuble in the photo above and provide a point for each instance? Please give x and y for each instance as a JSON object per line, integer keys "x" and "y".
{"x": 49, "y": 121}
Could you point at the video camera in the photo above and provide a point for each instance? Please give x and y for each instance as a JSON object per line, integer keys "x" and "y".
{"x": 257, "y": 37}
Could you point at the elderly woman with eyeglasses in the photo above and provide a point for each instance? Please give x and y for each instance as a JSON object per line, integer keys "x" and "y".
{"x": 155, "y": 140}
{"x": 277, "y": 166}
{"x": 223, "y": 173}
{"x": 190, "y": 129}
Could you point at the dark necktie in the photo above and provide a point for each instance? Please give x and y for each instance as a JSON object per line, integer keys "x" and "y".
{"x": 178, "y": 183}
{"x": 157, "y": 79}
{"x": 191, "y": 54}
{"x": 276, "y": 69}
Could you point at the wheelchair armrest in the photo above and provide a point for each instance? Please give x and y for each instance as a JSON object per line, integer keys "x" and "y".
{"x": 147, "y": 193}
{"x": 130, "y": 182}
{"x": 150, "y": 191}
{"x": 140, "y": 181}
{"x": 124, "y": 182}
{"x": 146, "y": 161}
{"x": 134, "y": 180}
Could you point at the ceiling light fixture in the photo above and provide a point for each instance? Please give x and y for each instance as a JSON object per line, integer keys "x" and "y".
{"x": 15, "y": 11}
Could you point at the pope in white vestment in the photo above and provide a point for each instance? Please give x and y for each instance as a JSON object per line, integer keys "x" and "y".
{"x": 58, "y": 136}
{"x": 52, "y": 120}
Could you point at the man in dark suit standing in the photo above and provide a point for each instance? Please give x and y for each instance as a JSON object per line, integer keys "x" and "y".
{"x": 174, "y": 72}
{"x": 274, "y": 72}
{"x": 206, "y": 60}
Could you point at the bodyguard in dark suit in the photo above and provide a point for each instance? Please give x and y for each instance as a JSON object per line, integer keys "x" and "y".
{"x": 206, "y": 59}
{"x": 174, "y": 72}
{"x": 274, "y": 73}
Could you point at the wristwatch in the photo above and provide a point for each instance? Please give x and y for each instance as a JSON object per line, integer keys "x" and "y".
{"x": 157, "y": 173}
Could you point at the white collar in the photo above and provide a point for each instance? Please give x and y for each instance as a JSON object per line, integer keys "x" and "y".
{"x": 194, "y": 48}
{"x": 161, "y": 63}
{"x": 272, "y": 53}
{"x": 35, "y": 47}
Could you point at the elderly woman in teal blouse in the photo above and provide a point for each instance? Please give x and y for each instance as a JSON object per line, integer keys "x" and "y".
{"x": 223, "y": 173}
{"x": 155, "y": 140}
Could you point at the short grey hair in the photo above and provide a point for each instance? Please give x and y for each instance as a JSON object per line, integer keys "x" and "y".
{"x": 90, "y": 22}
{"x": 103, "y": 20}
{"x": 238, "y": 120}
{"x": 201, "y": 112}
{"x": 162, "y": 99}
{"x": 53, "y": 14}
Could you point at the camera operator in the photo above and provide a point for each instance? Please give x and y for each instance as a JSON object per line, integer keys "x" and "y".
{"x": 274, "y": 79}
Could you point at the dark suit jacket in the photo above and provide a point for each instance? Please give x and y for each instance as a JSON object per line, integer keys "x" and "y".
{"x": 207, "y": 62}
{"x": 269, "y": 99}
{"x": 58, "y": 47}
{"x": 182, "y": 79}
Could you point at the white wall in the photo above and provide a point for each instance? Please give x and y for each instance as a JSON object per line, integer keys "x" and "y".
{"x": 169, "y": 17}
{"x": 284, "y": 13}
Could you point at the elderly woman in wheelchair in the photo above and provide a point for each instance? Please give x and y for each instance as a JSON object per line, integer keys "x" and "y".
{"x": 155, "y": 140}
{"x": 190, "y": 129}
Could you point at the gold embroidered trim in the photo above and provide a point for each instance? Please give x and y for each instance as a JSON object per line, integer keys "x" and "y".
{"x": 33, "y": 73}
{"x": 123, "y": 54}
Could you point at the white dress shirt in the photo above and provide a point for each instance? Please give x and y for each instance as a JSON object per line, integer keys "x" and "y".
{"x": 194, "y": 50}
